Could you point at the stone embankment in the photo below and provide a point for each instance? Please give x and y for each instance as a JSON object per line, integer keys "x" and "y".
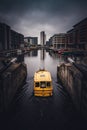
{"x": 74, "y": 79}
{"x": 11, "y": 78}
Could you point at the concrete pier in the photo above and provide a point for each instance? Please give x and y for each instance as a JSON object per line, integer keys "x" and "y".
{"x": 74, "y": 79}
{"x": 10, "y": 80}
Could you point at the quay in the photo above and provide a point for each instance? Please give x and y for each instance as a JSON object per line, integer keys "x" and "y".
{"x": 74, "y": 79}
{"x": 8, "y": 53}
{"x": 12, "y": 76}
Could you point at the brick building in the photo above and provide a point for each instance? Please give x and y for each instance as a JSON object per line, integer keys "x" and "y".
{"x": 69, "y": 39}
{"x": 77, "y": 37}
{"x": 80, "y": 34}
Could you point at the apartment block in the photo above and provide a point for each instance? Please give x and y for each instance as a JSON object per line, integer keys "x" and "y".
{"x": 5, "y": 37}
{"x": 17, "y": 39}
{"x": 59, "y": 40}
{"x": 80, "y": 34}
{"x": 9, "y": 39}
{"x": 31, "y": 40}
{"x": 70, "y": 39}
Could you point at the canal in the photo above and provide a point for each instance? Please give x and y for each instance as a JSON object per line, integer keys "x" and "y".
{"x": 28, "y": 112}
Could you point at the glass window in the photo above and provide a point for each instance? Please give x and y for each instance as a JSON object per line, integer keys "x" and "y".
{"x": 43, "y": 84}
{"x": 37, "y": 84}
{"x": 48, "y": 84}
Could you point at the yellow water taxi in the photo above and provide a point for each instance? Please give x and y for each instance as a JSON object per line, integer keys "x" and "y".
{"x": 43, "y": 83}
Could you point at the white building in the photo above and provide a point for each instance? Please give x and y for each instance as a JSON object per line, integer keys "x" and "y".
{"x": 59, "y": 40}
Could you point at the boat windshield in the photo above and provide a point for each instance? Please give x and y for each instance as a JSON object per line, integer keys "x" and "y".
{"x": 48, "y": 84}
{"x": 37, "y": 84}
{"x": 43, "y": 84}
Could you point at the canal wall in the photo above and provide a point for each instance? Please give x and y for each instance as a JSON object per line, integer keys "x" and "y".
{"x": 10, "y": 80}
{"x": 74, "y": 79}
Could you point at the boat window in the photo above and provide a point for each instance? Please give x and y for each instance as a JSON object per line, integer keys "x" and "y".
{"x": 48, "y": 84}
{"x": 43, "y": 84}
{"x": 37, "y": 84}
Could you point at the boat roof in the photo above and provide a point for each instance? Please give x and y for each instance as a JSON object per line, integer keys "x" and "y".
{"x": 42, "y": 75}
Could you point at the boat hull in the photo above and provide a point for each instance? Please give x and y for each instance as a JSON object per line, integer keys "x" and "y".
{"x": 43, "y": 93}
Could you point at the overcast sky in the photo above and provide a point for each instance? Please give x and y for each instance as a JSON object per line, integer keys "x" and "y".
{"x": 29, "y": 17}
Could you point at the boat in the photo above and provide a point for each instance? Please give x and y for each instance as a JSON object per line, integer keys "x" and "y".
{"x": 60, "y": 51}
{"x": 43, "y": 83}
{"x": 76, "y": 53}
{"x": 68, "y": 53}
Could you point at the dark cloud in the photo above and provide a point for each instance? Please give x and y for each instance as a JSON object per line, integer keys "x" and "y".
{"x": 32, "y": 16}
{"x": 48, "y": 5}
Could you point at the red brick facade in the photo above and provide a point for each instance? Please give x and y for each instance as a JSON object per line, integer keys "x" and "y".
{"x": 77, "y": 37}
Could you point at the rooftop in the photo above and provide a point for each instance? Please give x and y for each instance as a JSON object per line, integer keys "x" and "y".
{"x": 42, "y": 75}
{"x": 82, "y": 21}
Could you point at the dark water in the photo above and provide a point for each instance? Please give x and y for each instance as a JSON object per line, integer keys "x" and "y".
{"x": 57, "y": 112}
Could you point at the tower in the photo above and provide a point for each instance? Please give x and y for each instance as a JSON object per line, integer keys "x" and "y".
{"x": 42, "y": 38}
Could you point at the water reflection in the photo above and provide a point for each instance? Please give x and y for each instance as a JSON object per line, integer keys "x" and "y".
{"x": 79, "y": 59}
{"x": 42, "y": 58}
{"x": 42, "y": 54}
{"x": 33, "y": 53}
{"x": 20, "y": 58}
